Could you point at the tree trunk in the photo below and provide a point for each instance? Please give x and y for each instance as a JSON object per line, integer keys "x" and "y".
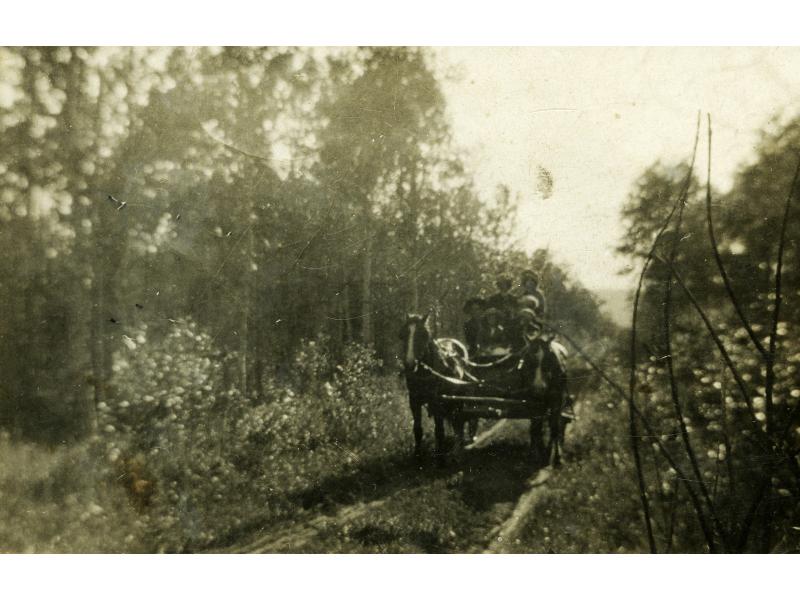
{"x": 366, "y": 293}
{"x": 258, "y": 376}
{"x": 96, "y": 355}
{"x": 346, "y": 323}
{"x": 413, "y": 205}
{"x": 244, "y": 329}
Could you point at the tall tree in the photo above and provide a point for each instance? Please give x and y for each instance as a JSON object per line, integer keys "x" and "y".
{"x": 382, "y": 119}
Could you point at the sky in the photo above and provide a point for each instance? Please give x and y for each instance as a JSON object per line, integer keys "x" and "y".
{"x": 595, "y": 118}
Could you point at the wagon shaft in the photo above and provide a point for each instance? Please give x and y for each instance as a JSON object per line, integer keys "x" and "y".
{"x": 492, "y": 407}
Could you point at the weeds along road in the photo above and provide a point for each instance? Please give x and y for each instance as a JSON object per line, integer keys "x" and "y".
{"x": 475, "y": 503}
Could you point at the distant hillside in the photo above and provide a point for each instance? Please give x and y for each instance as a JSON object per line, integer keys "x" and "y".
{"x": 617, "y": 304}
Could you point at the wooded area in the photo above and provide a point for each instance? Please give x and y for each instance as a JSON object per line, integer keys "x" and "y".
{"x": 268, "y": 195}
{"x": 207, "y": 256}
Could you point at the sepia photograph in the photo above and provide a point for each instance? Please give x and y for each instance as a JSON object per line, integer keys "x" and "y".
{"x": 399, "y": 300}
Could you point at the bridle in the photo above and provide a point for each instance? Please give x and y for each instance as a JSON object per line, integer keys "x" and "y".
{"x": 411, "y": 360}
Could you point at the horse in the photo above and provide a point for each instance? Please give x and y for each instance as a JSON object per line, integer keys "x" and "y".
{"x": 548, "y": 383}
{"x": 422, "y": 358}
{"x": 531, "y": 373}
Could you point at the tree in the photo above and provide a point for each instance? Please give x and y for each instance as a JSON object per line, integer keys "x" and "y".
{"x": 376, "y": 124}
{"x": 719, "y": 350}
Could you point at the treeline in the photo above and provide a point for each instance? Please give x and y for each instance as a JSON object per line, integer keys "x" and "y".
{"x": 268, "y": 195}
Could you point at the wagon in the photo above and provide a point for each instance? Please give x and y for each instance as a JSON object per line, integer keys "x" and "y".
{"x": 526, "y": 382}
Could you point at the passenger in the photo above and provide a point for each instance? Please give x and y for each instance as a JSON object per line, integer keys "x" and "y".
{"x": 529, "y": 302}
{"x": 494, "y": 333}
{"x": 527, "y": 324}
{"x": 528, "y": 319}
{"x": 505, "y": 303}
{"x": 529, "y": 282}
{"x": 532, "y": 295}
{"x": 473, "y": 308}
{"x": 502, "y": 300}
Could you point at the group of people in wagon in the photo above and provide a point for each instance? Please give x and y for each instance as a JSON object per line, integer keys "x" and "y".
{"x": 498, "y": 324}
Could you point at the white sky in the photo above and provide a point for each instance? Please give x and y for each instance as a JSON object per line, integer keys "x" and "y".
{"x": 596, "y": 118}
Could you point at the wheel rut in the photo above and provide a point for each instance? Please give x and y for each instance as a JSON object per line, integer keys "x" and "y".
{"x": 497, "y": 495}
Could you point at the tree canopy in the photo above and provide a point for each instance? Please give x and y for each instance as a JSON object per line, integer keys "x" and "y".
{"x": 270, "y": 195}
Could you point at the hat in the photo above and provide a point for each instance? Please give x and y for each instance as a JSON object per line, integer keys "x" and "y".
{"x": 474, "y": 301}
{"x": 529, "y": 274}
{"x": 503, "y": 280}
{"x": 528, "y": 314}
{"x": 529, "y": 302}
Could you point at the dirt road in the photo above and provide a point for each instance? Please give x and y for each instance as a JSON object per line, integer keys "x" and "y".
{"x": 475, "y": 503}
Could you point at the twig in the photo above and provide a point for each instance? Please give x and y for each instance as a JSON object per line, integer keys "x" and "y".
{"x": 633, "y": 358}
{"x": 751, "y": 513}
{"x": 714, "y": 335}
{"x": 631, "y": 397}
{"x": 650, "y": 433}
{"x": 718, "y": 259}
{"x": 232, "y": 148}
{"x": 770, "y": 358}
{"x": 667, "y": 328}
{"x": 769, "y": 362}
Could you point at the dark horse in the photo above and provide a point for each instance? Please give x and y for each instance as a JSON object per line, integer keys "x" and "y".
{"x": 419, "y": 348}
{"x": 530, "y": 374}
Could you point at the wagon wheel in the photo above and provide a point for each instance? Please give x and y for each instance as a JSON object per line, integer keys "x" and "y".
{"x": 453, "y": 346}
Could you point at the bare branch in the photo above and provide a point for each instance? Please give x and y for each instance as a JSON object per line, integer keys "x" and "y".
{"x": 718, "y": 259}
{"x": 667, "y": 328}
{"x": 232, "y": 148}
{"x": 707, "y": 533}
{"x": 633, "y": 348}
{"x": 751, "y": 514}
{"x": 773, "y": 335}
{"x": 715, "y": 336}
{"x": 769, "y": 361}
{"x": 651, "y": 434}
{"x": 631, "y": 397}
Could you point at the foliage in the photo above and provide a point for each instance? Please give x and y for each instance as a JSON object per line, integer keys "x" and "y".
{"x": 59, "y": 501}
{"x": 210, "y": 252}
{"x": 720, "y": 387}
{"x": 212, "y": 460}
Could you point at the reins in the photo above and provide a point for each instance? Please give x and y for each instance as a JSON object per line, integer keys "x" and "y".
{"x": 438, "y": 347}
{"x": 436, "y": 344}
{"x": 460, "y": 382}
{"x": 442, "y": 376}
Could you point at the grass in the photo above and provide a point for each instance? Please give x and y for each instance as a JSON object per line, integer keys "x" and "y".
{"x": 52, "y": 500}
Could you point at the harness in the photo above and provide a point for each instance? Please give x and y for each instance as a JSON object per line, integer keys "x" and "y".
{"x": 454, "y": 356}
{"x": 459, "y": 363}
{"x": 523, "y": 383}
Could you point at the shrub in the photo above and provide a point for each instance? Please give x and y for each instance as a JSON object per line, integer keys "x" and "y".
{"x": 191, "y": 458}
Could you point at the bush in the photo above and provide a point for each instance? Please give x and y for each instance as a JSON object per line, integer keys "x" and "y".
{"x": 61, "y": 501}
{"x": 180, "y": 459}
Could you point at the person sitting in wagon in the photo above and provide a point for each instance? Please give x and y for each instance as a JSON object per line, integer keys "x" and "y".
{"x": 494, "y": 337}
{"x": 532, "y": 293}
{"x": 503, "y": 300}
{"x": 504, "y": 305}
{"x": 473, "y": 308}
